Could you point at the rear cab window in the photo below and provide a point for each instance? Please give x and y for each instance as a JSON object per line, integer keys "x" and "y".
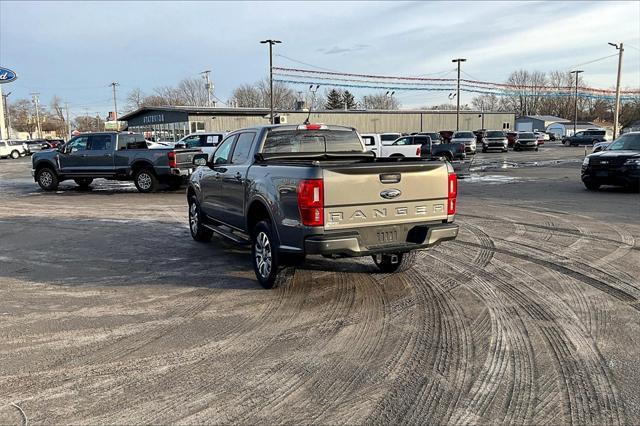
{"x": 131, "y": 141}
{"x": 311, "y": 141}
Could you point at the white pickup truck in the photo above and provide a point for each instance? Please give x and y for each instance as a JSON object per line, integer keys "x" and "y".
{"x": 401, "y": 147}
{"x": 13, "y": 149}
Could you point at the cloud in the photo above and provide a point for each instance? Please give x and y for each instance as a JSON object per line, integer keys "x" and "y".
{"x": 336, "y": 49}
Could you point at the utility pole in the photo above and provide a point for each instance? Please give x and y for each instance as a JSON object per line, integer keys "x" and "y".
{"x": 36, "y": 101}
{"x": 271, "y": 42}
{"x": 458, "y": 60}
{"x": 208, "y": 86}
{"x": 389, "y": 95}
{"x": 66, "y": 107}
{"x": 5, "y": 108}
{"x": 616, "y": 114}
{"x": 115, "y": 104}
{"x": 575, "y": 119}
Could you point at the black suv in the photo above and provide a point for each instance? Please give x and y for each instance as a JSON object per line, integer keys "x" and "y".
{"x": 585, "y": 137}
{"x": 618, "y": 165}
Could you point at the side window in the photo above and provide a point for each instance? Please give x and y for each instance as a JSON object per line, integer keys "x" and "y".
{"x": 421, "y": 140}
{"x": 243, "y": 148}
{"x": 192, "y": 142}
{"x": 99, "y": 143}
{"x": 210, "y": 140}
{"x": 368, "y": 140}
{"x": 221, "y": 156}
{"x": 77, "y": 144}
{"x": 403, "y": 141}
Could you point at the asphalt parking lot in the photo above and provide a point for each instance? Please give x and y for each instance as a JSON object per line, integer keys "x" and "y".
{"x": 111, "y": 313}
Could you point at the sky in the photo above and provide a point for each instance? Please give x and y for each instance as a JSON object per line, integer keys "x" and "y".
{"x": 76, "y": 49}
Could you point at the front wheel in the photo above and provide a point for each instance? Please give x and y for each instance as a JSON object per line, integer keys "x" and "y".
{"x": 15, "y": 154}
{"x": 264, "y": 254}
{"x": 198, "y": 231}
{"x": 146, "y": 181}
{"x": 47, "y": 179}
{"x": 394, "y": 262}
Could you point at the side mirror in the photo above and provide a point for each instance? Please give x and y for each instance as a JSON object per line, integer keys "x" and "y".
{"x": 200, "y": 159}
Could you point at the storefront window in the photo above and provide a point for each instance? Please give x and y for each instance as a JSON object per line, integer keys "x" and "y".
{"x": 197, "y": 126}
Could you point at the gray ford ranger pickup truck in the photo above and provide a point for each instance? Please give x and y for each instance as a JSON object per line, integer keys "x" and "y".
{"x": 115, "y": 156}
{"x": 289, "y": 191}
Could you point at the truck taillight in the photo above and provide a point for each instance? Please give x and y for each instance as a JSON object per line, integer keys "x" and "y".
{"x": 172, "y": 159}
{"x": 418, "y": 151}
{"x": 311, "y": 202}
{"x": 452, "y": 193}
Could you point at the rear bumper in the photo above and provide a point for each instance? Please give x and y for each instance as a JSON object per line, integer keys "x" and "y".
{"x": 351, "y": 245}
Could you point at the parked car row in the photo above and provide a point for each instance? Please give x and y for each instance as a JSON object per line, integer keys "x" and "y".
{"x": 417, "y": 145}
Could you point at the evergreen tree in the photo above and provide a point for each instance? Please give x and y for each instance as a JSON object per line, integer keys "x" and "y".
{"x": 348, "y": 100}
{"x": 334, "y": 100}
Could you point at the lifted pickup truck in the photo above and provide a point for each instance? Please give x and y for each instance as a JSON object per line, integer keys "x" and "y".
{"x": 291, "y": 191}
{"x": 115, "y": 156}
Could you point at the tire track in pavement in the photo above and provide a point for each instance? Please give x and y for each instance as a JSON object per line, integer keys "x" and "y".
{"x": 312, "y": 372}
{"x": 131, "y": 394}
{"x": 589, "y": 388}
{"x": 580, "y": 393}
{"x": 194, "y": 400}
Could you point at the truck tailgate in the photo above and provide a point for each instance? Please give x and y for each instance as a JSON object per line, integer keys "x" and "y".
{"x": 361, "y": 195}
{"x": 184, "y": 157}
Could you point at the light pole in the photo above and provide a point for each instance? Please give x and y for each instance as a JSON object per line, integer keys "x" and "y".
{"x": 207, "y": 85}
{"x": 575, "y": 119}
{"x": 5, "y": 105}
{"x": 617, "y": 108}
{"x": 458, "y": 60}
{"x": 115, "y": 104}
{"x": 313, "y": 89}
{"x": 271, "y": 42}
{"x": 390, "y": 94}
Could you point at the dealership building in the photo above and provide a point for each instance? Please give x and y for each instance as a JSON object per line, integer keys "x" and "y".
{"x": 174, "y": 122}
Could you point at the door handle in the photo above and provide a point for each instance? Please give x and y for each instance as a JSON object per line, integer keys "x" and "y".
{"x": 238, "y": 176}
{"x": 217, "y": 176}
{"x": 83, "y": 155}
{"x": 108, "y": 155}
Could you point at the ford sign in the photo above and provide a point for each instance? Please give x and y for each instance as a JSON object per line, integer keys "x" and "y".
{"x": 390, "y": 193}
{"x": 6, "y": 75}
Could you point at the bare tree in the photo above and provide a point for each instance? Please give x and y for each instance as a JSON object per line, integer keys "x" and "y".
{"x": 486, "y": 102}
{"x": 193, "y": 92}
{"x": 23, "y": 117}
{"x": 135, "y": 100}
{"x": 380, "y": 101}
{"x": 257, "y": 95}
{"x": 56, "y": 119}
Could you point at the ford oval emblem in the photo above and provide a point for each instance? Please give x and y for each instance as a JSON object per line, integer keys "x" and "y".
{"x": 6, "y": 75}
{"x": 390, "y": 193}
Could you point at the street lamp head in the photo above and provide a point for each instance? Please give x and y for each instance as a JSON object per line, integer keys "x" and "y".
{"x": 270, "y": 41}
{"x": 614, "y": 45}
{"x": 459, "y": 60}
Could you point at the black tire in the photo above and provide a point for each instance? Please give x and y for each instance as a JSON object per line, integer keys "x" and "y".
{"x": 404, "y": 262}
{"x": 264, "y": 254}
{"x": 83, "y": 182}
{"x": 15, "y": 154}
{"x": 198, "y": 231}
{"x": 146, "y": 181}
{"x": 47, "y": 179}
{"x": 591, "y": 186}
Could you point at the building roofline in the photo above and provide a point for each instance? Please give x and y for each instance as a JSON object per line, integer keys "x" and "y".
{"x": 265, "y": 111}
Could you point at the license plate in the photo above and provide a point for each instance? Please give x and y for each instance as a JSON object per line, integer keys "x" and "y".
{"x": 602, "y": 173}
{"x": 387, "y": 236}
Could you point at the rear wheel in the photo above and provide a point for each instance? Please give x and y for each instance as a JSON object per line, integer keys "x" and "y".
{"x": 264, "y": 254}
{"x": 394, "y": 262}
{"x": 47, "y": 179}
{"x": 146, "y": 181}
{"x": 15, "y": 154}
{"x": 83, "y": 182}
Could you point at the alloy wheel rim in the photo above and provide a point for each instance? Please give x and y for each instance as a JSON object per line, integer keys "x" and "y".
{"x": 193, "y": 218}
{"x": 144, "y": 180}
{"x": 263, "y": 254}
{"x": 45, "y": 178}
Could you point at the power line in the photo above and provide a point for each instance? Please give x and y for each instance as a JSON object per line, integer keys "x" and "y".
{"x": 591, "y": 62}
{"x": 304, "y": 63}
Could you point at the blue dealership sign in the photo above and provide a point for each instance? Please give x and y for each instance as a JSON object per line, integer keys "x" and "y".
{"x": 6, "y": 75}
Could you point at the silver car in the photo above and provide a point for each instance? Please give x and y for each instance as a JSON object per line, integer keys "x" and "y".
{"x": 468, "y": 139}
{"x": 600, "y": 146}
